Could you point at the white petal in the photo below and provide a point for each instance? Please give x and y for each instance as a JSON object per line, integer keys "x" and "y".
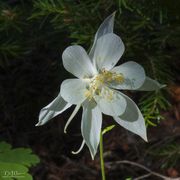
{"x": 105, "y": 28}
{"x": 132, "y": 119}
{"x": 133, "y": 73}
{"x": 151, "y": 85}
{"x": 73, "y": 91}
{"x": 77, "y": 62}
{"x": 57, "y": 106}
{"x": 111, "y": 102}
{"x": 91, "y": 126}
{"x": 109, "y": 48}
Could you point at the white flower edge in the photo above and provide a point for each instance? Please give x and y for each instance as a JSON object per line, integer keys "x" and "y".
{"x": 151, "y": 85}
{"x": 106, "y": 27}
{"x": 132, "y": 119}
{"x": 56, "y": 107}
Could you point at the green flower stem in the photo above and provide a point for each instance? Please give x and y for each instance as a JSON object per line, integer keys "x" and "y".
{"x": 101, "y": 157}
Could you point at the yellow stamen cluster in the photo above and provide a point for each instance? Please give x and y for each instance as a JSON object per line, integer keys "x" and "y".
{"x": 101, "y": 80}
{"x": 112, "y": 76}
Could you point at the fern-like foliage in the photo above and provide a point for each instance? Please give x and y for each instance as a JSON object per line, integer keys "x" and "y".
{"x": 15, "y": 163}
{"x": 151, "y": 104}
{"x": 168, "y": 154}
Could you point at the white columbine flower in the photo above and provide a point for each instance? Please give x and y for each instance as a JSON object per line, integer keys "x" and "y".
{"x": 96, "y": 87}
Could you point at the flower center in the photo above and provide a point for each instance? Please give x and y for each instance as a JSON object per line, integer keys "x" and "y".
{"x": 98, "y": 84}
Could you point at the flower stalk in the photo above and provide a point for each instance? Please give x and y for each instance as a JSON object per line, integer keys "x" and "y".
{"x": 102, "y": 158}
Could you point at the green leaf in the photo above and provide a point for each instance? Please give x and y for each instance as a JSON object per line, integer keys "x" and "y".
{"x": 10, "y": 171}
{"x": 14, "y": 163}
{"x": 4, "y": 146}
{"x": 107, "y": 129}
{"x": 19, "y": 155}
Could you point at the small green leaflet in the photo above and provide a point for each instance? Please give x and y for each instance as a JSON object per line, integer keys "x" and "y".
{"x": 14, "y": 163}
{"x": 107, "y": 129}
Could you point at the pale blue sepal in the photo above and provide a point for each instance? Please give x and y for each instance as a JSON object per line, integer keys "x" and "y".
{"x": 106, "y": 27}
{"x": 57, "y": 106}
{"x": 132, "y": 119}
{"x": 151, "y": 85}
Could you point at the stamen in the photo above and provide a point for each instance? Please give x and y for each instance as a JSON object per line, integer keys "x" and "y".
{"x": 98, "y": 82}
{"x": 80, "y": 149}
{"x": 71, "y": 117}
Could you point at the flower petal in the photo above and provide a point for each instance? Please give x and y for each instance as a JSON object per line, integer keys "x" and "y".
{"x": 133, "y": 73}
{"x": 73, "y": 91}
{"x": 77, "y": 62}
{"x": 151, "y": 85}
{"x": 91, "y": 126}
{"x": 132, "y": 119}
{"x": 111, "y": 102}
{"x": 57, "y": 106}
{"x": 105, "y": 28}
{"x": 109, "y": 48}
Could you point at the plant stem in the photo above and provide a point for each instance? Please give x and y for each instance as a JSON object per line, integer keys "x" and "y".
{"x": 101, "y": 157}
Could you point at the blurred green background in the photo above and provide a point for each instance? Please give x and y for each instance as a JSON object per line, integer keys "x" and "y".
{"x": 33, "y": 35}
